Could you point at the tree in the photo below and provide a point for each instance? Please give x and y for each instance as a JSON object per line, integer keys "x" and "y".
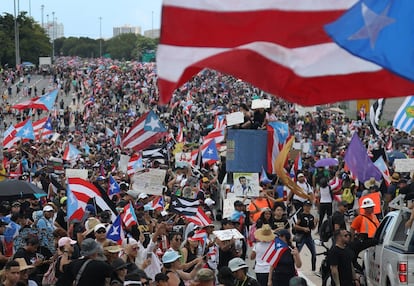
{"x": 145, "y": 45}
{"x": 33, "y": 40}
{"x": 122, "y": 46}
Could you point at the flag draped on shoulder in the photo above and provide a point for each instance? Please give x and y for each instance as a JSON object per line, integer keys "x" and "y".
{"x": 375, "y": 113}
{"x": 380, "y": 32}
{"x": 190, "y": 209}
{"x": 147, "y": 130}
{"x": 299, "y": 62}
{"x": 275, "y": 251}
{"x": 358, "y": 162}
{"x": 404, "y": 118}
{"x": 278, "y": 132}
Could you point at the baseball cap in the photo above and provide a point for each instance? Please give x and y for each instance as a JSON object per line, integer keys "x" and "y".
{"x": 236, "y": 264}
{"x": 142, "y": 196}
{"x": 48, "y": 208}
{"x": 99, "y": 226}
{"x": 170, "y": 256}
{"x": 300, "y": 175}
{"x": 62, "y": 241}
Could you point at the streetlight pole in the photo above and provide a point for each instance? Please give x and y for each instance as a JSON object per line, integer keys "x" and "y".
{"x": 53, "y": 37}
{"x": 42, "y": 7}
{"x": 16, "y": 34}
{"x": 100, "y": 37}
{"x": 152, "y": 25}
{"x": 30, "y": 8}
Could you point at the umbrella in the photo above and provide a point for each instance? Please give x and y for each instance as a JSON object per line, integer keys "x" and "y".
{"x": 395, "y": 155}
{"x": 19, "y": 189}
{"x": 326, "y": 162}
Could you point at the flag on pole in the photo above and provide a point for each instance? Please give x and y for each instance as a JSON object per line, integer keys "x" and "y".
{"x": 404, "y": 118}
{"x": 134, "y": 164}
{"x": 147, "y": 130}
{"x": 115, "y": 232}
{"x": 299, "y": 62}
{"x": 380, "y": 164}
{"x": 278, "y": 133}
{"x": 79, "y": 193}
{"x": 358, "y": 162}
{"x": 113, "y": 187}
{"x": 209, "y": 152}
{"x": 70, "y": 153}
{"x": 264, "y": 179}
{"x": 190, "y": 209}
{"x": 375, "y": 113}
{"x": 275, "y": 251}
{"x": 158, "y": 203}
{"x": 26, "y": 131}
{"x": 128, "y": 217}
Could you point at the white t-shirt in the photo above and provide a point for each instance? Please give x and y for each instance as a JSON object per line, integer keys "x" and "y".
{"x": 325, "y": 194}
{"x": 306, "y": 188}
{"x": 260, "y": 249}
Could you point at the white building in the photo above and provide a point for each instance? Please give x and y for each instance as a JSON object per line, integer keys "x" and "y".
{"x": 153, "y": 34}
{"x": 126, "y": 30}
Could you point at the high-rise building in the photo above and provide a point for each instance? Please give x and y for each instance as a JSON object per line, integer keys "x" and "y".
{"x": 153, "y": 34}
{"x": 126, "y": 30}
{"x": 54, "y": 30}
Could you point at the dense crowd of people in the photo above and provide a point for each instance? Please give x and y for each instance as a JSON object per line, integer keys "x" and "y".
{"x": 40, "y": 246}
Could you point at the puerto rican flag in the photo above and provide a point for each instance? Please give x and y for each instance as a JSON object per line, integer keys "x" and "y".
{"x": 158, "y": 203}
{"x": 79, "y": 193}
{"x": 115, "y": 232}
{"x": 275, "y": 251}
{"x": 219, "y": 121}
{"x": 299, "y": 62}
{"x": 134, "y": 164}
{"x": 128, "y": 217}
{"x": 90, "y": 101}
{"x": 218, "y": 134}
{"x": 147, "y": 130}
{"x": 380, "y": 164}
{"x": 10, "y": 137}
{"x": 113, "y": 187}
{"x": 43, "y": 128}
{"x": 209, "y": 152}
{"x": 44, "y": 102}
{"x": 70, "y": 153}
{"x": 180, "y": 134}
{"x": 277, "y": 135}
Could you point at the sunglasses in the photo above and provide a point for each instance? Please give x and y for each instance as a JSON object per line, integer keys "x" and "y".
{"x": 101, "y": 230}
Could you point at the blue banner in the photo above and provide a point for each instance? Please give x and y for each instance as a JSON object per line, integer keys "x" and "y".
{"x": 246, "y": 150}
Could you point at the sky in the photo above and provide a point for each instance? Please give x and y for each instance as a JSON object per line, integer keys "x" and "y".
{"x": 81, "y": 17}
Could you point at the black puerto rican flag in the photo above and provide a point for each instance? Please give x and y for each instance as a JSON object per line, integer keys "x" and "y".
{"x": 190, "y": 209}
{"x": 375, "y": 113}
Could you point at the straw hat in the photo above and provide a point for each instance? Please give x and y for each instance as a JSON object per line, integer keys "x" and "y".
{"x": 23, "y": 265}
{"x": 90, "y": 225}
{"x": 395, "y": 178}
{"x": 371, "y": 183}
{"x": 264, "y": 233}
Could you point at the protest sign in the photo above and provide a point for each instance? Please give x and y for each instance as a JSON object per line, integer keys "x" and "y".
{"x": 150, "y": 182}
{"x": 228, "y": 234}
{"x": 246, "y": 184}
{"x": 234, "y": 118}
{"x": 404, "y": 165}
{"x": 77, "y": 173}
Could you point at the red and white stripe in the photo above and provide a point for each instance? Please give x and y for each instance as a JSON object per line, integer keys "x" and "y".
{"x": 299, "y": 62}
{"x": 200, "y": 218}
{"x": 128, "y": 218}
{"x": 84, "y": 191}
{"x": 273, "y": 254}
{"x": 10, "y": 139}
{"x": 137, "y": 138}
{"x": 131, "y": 167}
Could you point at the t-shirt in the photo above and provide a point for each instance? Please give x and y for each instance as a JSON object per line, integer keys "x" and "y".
{"x": 339, "y": 218}
{"x": 93, "y": 274}
{"x": 260, "y": 249}
{"x": 280, "y": 223}
{"x": 342, "y": 257}
{"x": 306, "y": 220}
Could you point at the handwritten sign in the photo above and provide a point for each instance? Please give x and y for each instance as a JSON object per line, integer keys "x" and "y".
{"x": 228, "y": 234}
{"x": 404, "y": 165}
{"x": 234, "y": 118}
{"x": 150, "y": 182}
{"x": 77, "y": 173}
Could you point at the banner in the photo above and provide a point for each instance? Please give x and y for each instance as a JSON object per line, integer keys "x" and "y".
{"x": 246, "y": 185}
{"x": 77, "y": 173}
{"x": 246, "y": 150}
{"x": 404, "y": 165}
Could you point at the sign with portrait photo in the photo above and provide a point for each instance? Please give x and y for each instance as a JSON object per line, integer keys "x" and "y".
{"x": 246, "y": 184}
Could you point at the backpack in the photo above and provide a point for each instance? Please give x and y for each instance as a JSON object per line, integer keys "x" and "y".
{"x": 326, "y": 230}
{"x": 347, "y": 196}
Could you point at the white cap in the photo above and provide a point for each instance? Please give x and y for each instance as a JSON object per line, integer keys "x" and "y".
{"x": 209, "y": 202}
{"x": 48, "y": 208}
{"x": 99, "y": 226}
{"x": 142, "y": 196}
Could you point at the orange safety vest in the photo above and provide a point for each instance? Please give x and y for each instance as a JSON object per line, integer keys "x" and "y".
{"x": 261, "y": 203}
{"x": 368, "y": 225}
